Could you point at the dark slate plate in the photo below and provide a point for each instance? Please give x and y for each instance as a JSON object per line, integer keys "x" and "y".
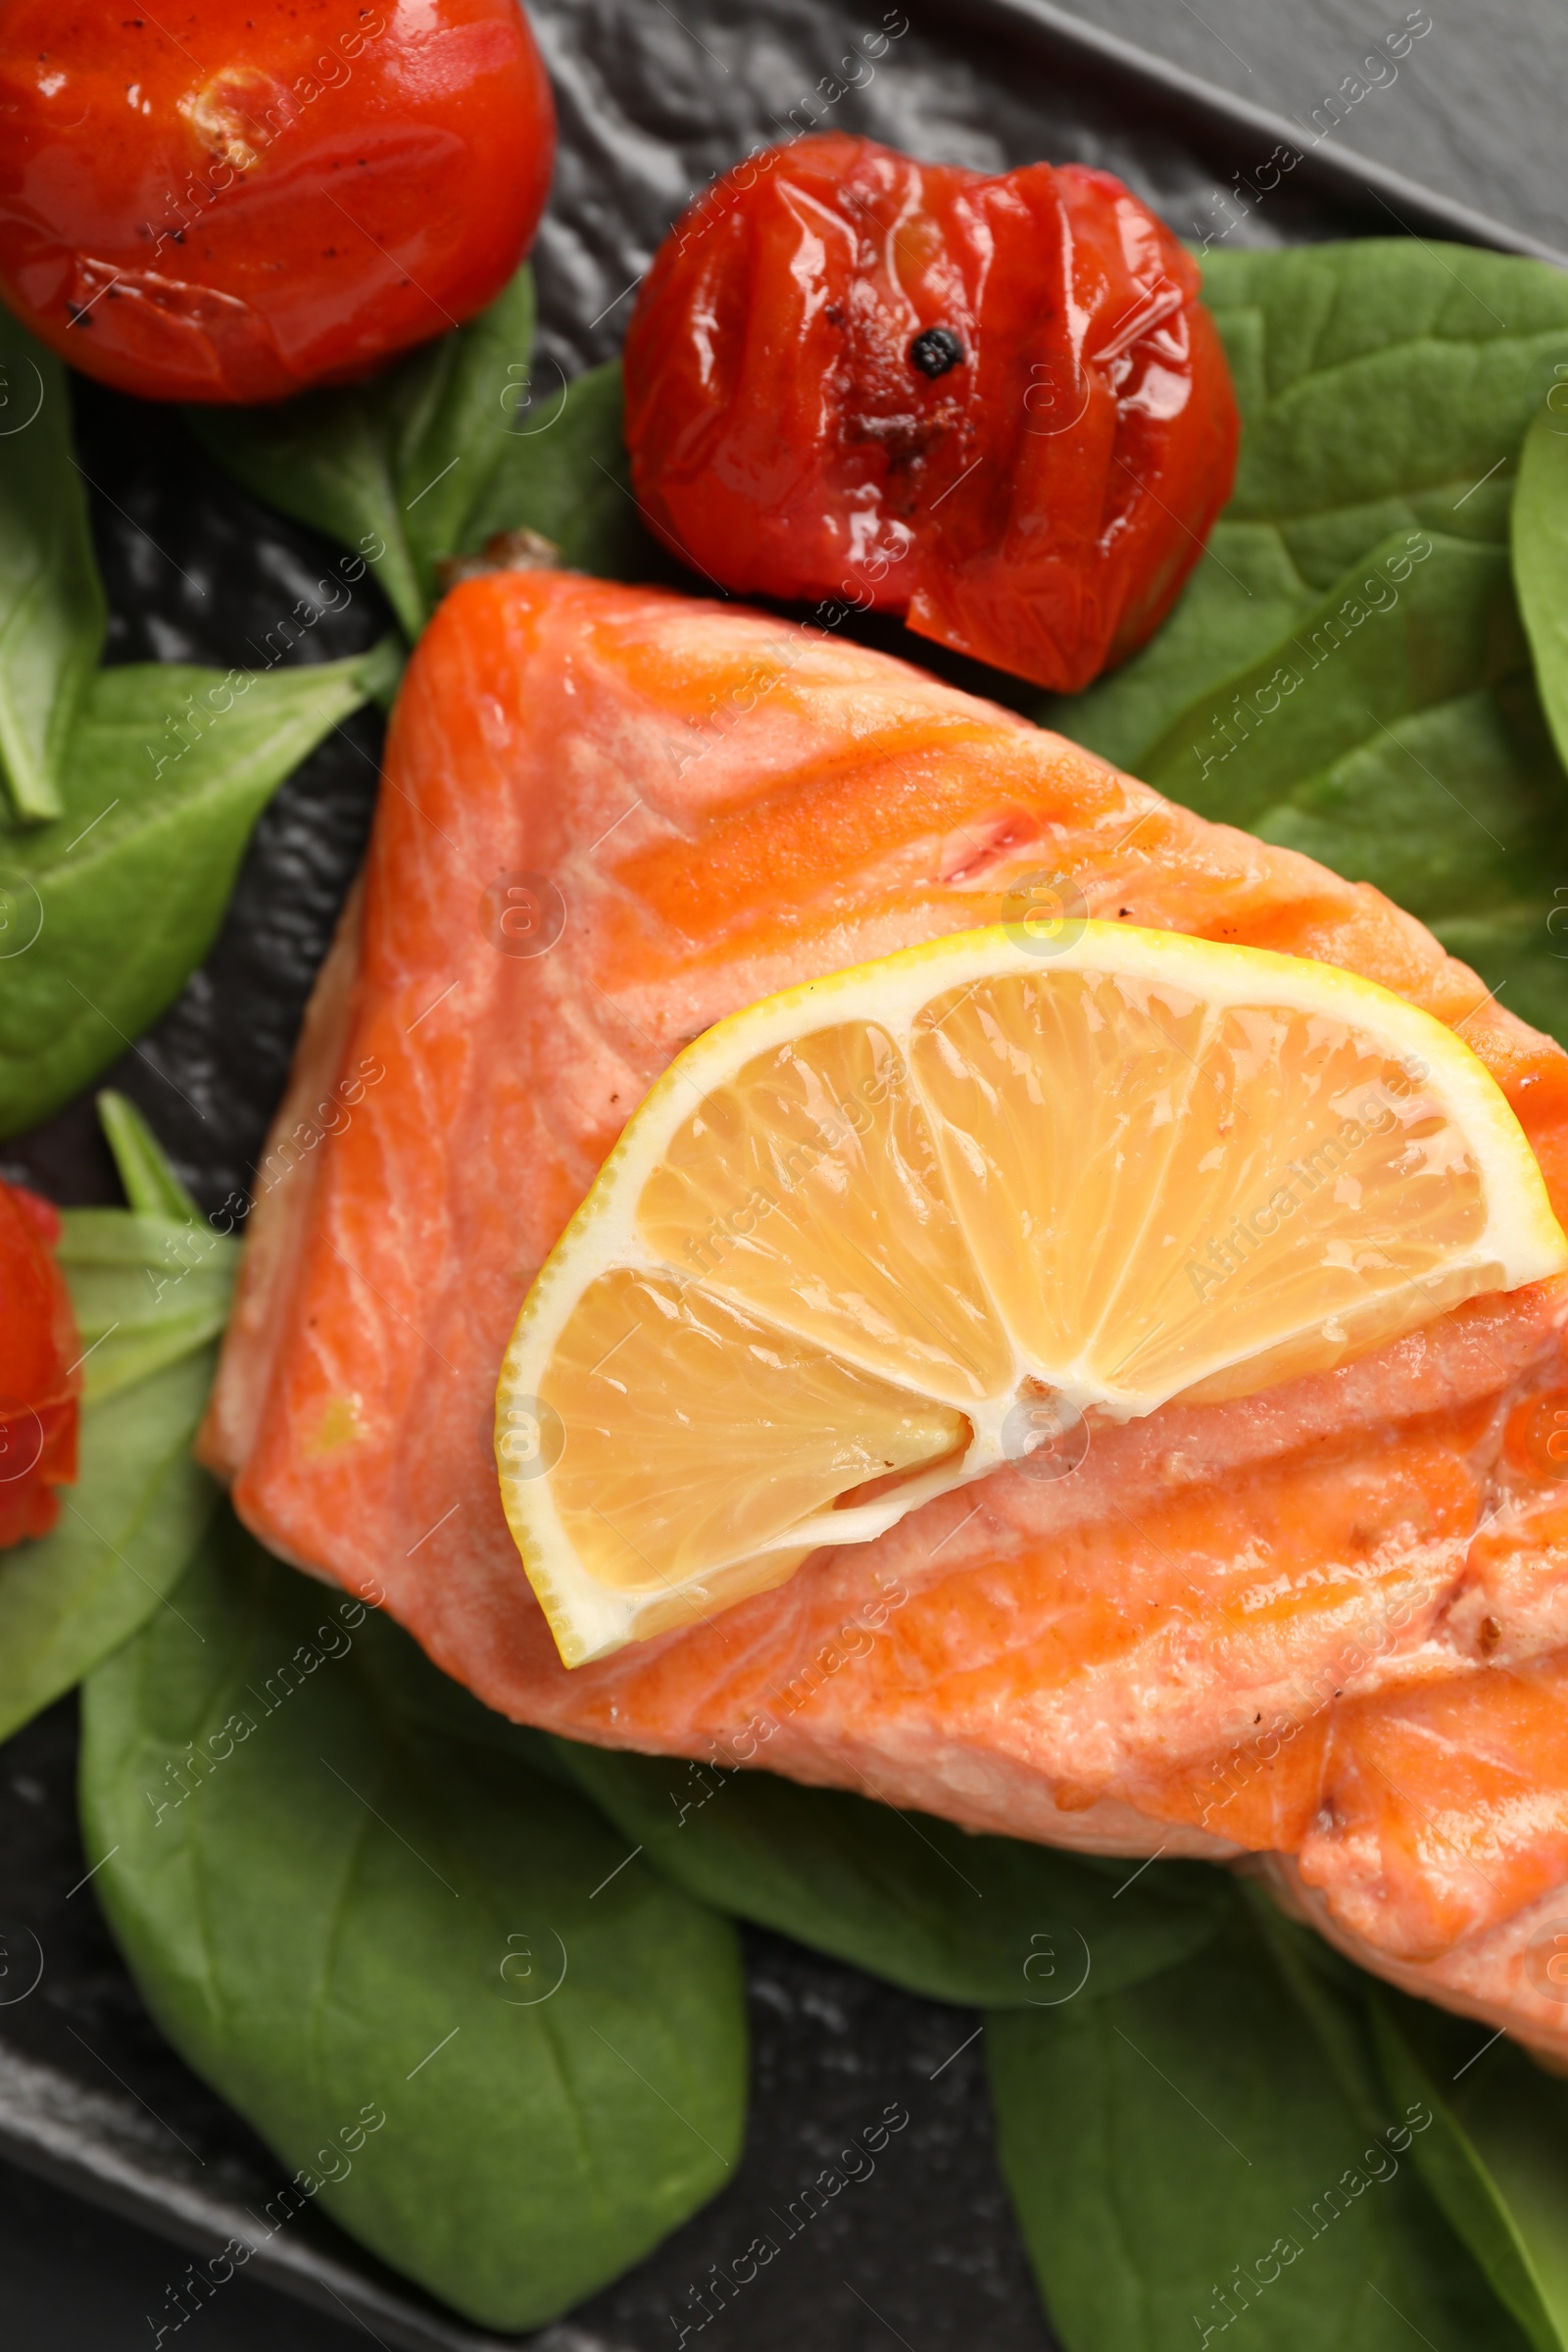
{"x": 651, "y": 104}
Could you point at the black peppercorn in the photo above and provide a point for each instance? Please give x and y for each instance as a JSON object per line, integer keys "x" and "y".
{"x": 935, "y": 350}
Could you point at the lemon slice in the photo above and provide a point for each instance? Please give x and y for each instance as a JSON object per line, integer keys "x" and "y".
{"x": 878, "y": 1236}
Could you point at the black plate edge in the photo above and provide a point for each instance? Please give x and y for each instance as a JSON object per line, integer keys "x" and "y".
{"x": 43, "y": 2112}
{"x": 1213, "y": 116}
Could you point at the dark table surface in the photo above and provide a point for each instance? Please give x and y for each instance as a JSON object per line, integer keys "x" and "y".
{"x": 1474, "y": 113}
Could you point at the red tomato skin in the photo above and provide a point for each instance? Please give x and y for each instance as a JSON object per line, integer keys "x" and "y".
{"x": 40, "y": 1375}
{"x": 247, "y": 197}
{"x": 1038, "y": 504}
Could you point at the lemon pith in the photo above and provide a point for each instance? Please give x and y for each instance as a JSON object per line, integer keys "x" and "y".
{"x": 853, "y": 1230}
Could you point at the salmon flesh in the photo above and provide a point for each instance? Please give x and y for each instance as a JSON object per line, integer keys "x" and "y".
{"x": 1325, "y": 1626}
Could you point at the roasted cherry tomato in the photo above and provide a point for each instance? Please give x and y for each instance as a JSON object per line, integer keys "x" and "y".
{"x": 231, "y": 201}
{"x": 39, "y": 1377}
{"x": 992, "y": 405}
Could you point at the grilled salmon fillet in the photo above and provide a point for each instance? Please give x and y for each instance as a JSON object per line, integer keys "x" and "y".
{"x": 1326, "y": 1625}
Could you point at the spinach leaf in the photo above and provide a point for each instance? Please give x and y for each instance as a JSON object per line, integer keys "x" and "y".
{"x": 1385, "y": 387}
{"x": 1380, "y": 381}
{"x": 1346, "y": 673}
{"x": 106, "y": 912}
{"x": 52, "y": 612}
{"x": 150, "y": 1184}
{"x": 1245, "y": 596}
{"x": 1403, "y": 746}
{"x": 568, "y": 476}
{"x": 1421, "y": 625}
{"x": 982, "y": 1920}
{"x": 1395, "y": 735}
{"x": 127, "y": 1530}
{"x": 1211, "y": 2149}
{"x": 151, "y": 1288}
{"x": 344, "y": 1905}
{"x": 147, "y": 1290}
{"x": 1496, "y": 2160}
{"x": 438, "y": 452}
{"x": 370, "y": 463}
{"x": 1541, "y": 554}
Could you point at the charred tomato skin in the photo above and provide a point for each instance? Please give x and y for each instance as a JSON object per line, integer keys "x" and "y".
{"x": 40, "y": 1378}
{"x": 238, "y": 200}
{"x": 993, "y": 404}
